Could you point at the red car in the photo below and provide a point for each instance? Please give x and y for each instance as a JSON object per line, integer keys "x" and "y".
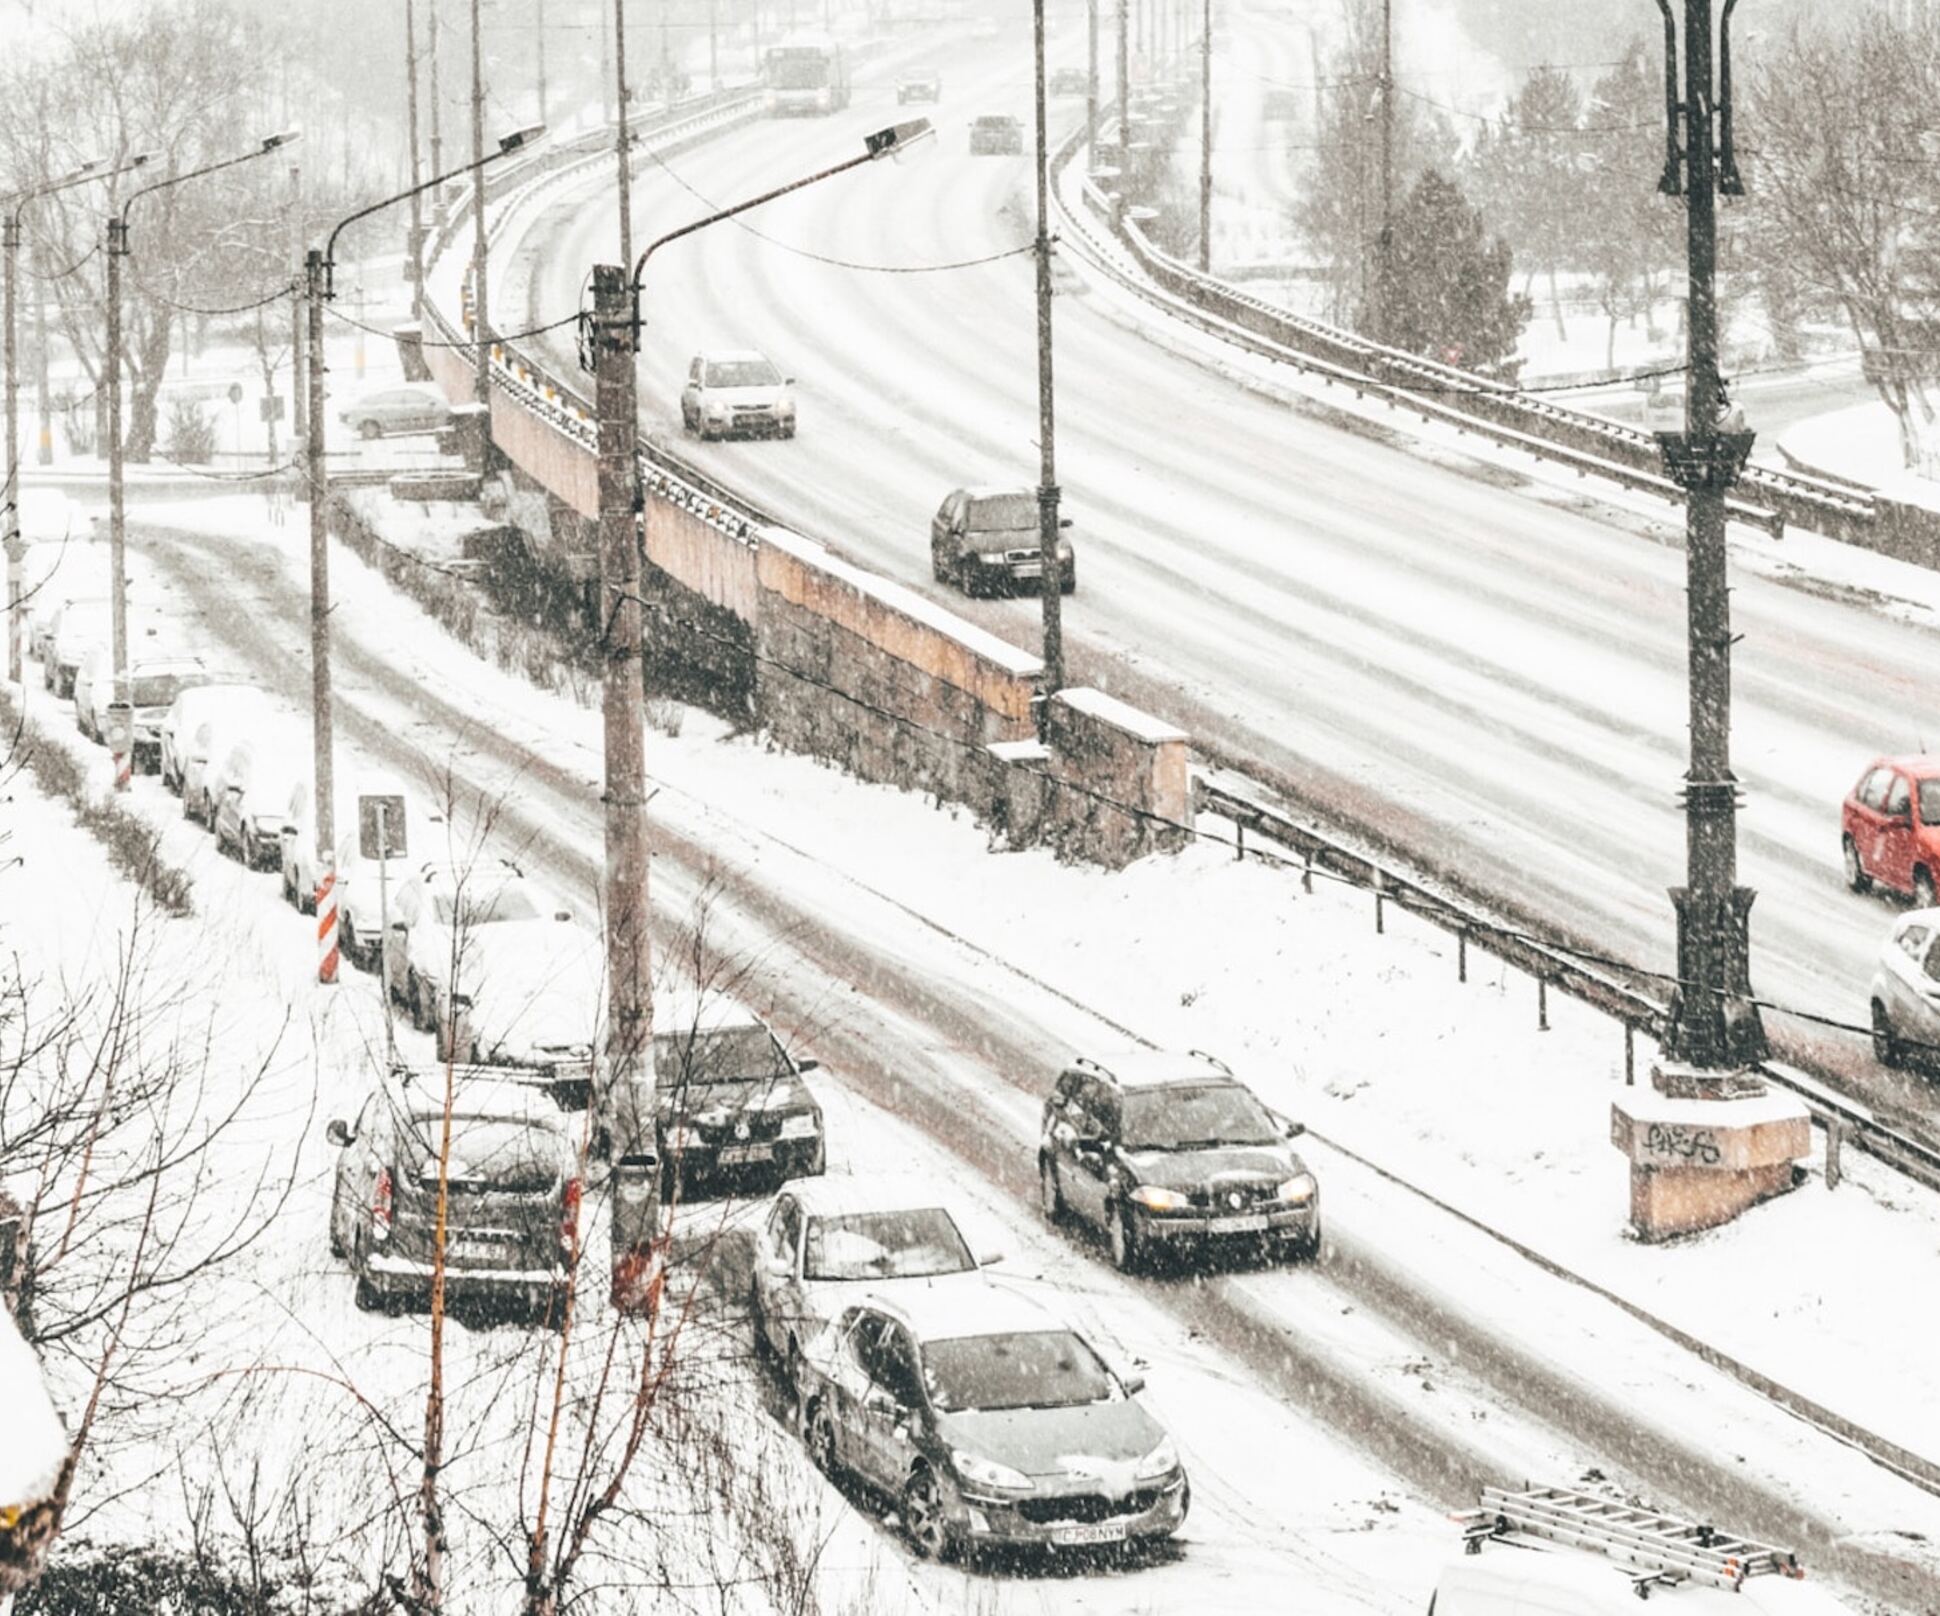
{"x": 1890, "y": 828}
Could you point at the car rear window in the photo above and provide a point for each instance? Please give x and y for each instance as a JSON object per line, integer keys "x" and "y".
{"x": 717, "y": 1055}
{"x": 1006, "y": 511}
{"x": 159, "y": 689}
{"x": 483, "y": 908}
{"x": 505, "y": 1154}
{"x": 885, "y": 1245}
{"x": 1030, "y": 1369}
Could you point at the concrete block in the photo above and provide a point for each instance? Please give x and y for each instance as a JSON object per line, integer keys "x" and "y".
{"x": 1698, "y": 1163}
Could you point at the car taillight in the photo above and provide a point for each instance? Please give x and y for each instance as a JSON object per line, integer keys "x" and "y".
{"x": 569, "y": 1213}
{"x": 380, "y": 1207}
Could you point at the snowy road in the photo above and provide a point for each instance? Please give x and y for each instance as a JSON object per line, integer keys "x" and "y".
{"x": 1489, "y": 677}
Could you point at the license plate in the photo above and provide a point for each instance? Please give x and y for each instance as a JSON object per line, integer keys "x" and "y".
{"x": 1246, "y": 1223}
{"x": 477, "y": 1248}
{"x": 731, "y": 1154}
{"x": 1105, "y": 1532}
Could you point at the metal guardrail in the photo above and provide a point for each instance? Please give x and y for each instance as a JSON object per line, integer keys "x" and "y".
{"x": 1601, "y": 989}
{"x": 1589, "y": 444}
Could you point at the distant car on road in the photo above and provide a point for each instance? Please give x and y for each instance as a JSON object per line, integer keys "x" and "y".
{"x": 988, "y": 1421}
{"x": 924, "y": 84}
{"x": 981, "y": 537}
{"x": 414, "y": 407}
{"x": 1070, "y": 81}
{"x": 1172, "y": 1152}
{"x": 1906, "y": 992}
{"x": 513, "y": 1208}
{"x": 1890, "y": 828}
{"x": 996, "y": 134}
{"x": 737, "y": 393}
{"x": 829, "y": 1240}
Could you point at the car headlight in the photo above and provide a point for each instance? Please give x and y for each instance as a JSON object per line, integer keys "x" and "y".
{"x": 802, "y": 1125}
{"x": 1160, "y": 1462}
{"x": 785, "y": 406}
{"x": 717, "y": 411}
{"x": 1299, "y": 1190}
{"x": 991, "y": 558}
{"x": 679, "y": 1139}
{"x": 269, "y": 822}
{"x": 982, "y": 1472}
{"x": 1156, "y": 1199}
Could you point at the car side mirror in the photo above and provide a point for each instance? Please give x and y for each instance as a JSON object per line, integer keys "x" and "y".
{"x": 234, "y": 793}
{"x": 338, "y": 1133}
{"x": 1295, "y": 1129}
{"x": 562, "y": 914}
{"x": 808, "y": 1064}
{"x": 788, "y": 381}
{"x": 400, "y": 926}
{"x": 1133, "y": 1384}
{"x": 878, "y": 1401}
{"x": 987, "y": 1259}
{"x": 1065, "y": 521}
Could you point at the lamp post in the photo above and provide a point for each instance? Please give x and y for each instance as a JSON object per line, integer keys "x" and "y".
{"x": 319, "y": 274}
{"x": 615, "y": 342}
{"x": 1050, "y": 587}
{"x": 417, "y": 172}
{"x": 481, "y": 317}
{"x": 16, "y": 206}
{"x": 1205, "y": 142}
{"x": 111, "y": 363}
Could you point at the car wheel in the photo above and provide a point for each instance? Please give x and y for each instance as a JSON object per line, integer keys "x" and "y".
{"x": 289, "y": 888}
{"x": 422, "y": 1016}
{"x": 369, "y": 1298}
{"x": 818, "y": 1436}
{"x": 1308, "y": 1250}
{"x": 369, "y": 430}
{"x": 1068, "y": 580}
{"x": 794, "y": 1372}
{"x": 1123, "y": 1236}
{"x": 788, "y": 431}
{"x": 348, "y": 942}
{"x": 1886, "y": 1045}
{"x": 1856, "y": 876}
{"x": 337, "y": 1247}
{"x": 1923, "y": 894}
{"x": 1050, "y": 1198}
{"x": 306, "y": 902}
{"x": 922, "y": 1512}
{"x": 440, "y": 1035}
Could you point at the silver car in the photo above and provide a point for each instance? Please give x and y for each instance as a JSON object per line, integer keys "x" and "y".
{"x": 739, "y": 393}
{"x": 416, "y": 408}
{"x": 1906, "y": 991}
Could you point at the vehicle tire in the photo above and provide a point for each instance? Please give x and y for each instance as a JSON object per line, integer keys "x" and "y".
{"x": 789, "y": 430}
{"x": 440, "y": 1035}
{"x": 794, "y": 1370}
{"x": 1856, "y": 876}
{"x": 368, "y": 1297}
{"x": 306, "y": 904}
{"x": 188, "y": 804}
{"x": 422, "y": 1015}
{"x": 1068, "y": 580}
{"x": 1050, "y": 1197}
{"x": 1923, "y": 893}
{"x": 289, "y": 889}
{"x": 369, "y": 430}
{"x": 337, "y": 1247}
{"x": 818, "y": 1436}
{"x": 1308, "y": 1250}
{"x": 1886, "y": 1045}
{"x": 764, "y": 1349}
{"x": 1126, "y": 1254}
{"x": 927, "y": 1532}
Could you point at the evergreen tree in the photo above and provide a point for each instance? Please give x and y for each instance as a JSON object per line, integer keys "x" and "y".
{"x": 1450, "y": 295}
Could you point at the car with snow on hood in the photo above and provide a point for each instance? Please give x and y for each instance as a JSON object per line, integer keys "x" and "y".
{"x": 989, "y": 1422}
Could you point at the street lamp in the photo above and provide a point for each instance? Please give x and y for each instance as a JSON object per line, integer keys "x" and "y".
{"x": 319, "y": 287}
{"x": 1050, "y": 583}
{"x": 16, "y": 205}
{"x": 117, "y": 504}
{"x": 613, "y": 338}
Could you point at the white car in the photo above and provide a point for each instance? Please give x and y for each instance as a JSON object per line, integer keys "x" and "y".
{"x": 155, "y": 682}
{"x": 420, "y": 836}
{"x": 211, "y": 743}
{"x": 737, "y": 392}
{"x": 829, "y": 1241}
{"x": 438, "y": 920}
{"x": 194, "y": 706}
{"x": 77, "y": 627}
{"x": 1906, "y": 992}
{"x": 253, "y": 787}
{"x": 415, "y": 407}
{"x": 532, "y": 994}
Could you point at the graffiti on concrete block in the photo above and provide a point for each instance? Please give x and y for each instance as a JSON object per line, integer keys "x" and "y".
{"x": 1696, "y": 1147}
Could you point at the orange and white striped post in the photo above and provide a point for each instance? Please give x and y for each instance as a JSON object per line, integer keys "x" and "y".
{"x": 326, "y": 916}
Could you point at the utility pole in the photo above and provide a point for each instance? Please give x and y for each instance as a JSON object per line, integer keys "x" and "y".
{"x": 437, "y": 100}
{"x": 44, "y": 441}
{"x": 606, "y": 63}
{"x": 629, "y": 1026}
{"x": 1384, "y": 246}
{"x": 10, "y": 498}
{"x": 323, "y": 752}
{"x": 1205, "y": 142}
{"x": 1091, "y": 83}
{"x": 299, "y": 346}
{"x": 1051, "y": 573}
{"x": 117, "y": 502}
{"x": 713, "y": 46}
{"x": 481, "y": 307}
{"x": 539, "y": 30}
{"x": 624, "y": 137}
{"x": 1124, "y": 95}
{"x": 1713, "y": 1025}
{"x": 417, "y": 172}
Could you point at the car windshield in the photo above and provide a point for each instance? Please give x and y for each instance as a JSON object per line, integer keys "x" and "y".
{"x": 1005, "y": 511}
{"x": 995, "y": 122}
{"x": 747, "y": 1054}
{"x": 742, "y": 373}
{"x": 1930, "y": 802}
{"x": 885, "y": 1245}
{"x": 500, "y": 1153}
{"x": 1195, "y": 1118}
{"x": 1031, "y": 1369}
{"x": 482, "y": 908}
{"x": 159, "y": 689}
{"x": 798, "y": 69}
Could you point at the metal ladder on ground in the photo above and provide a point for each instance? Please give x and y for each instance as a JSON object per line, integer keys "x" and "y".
{"x": 1658, "y": 1550}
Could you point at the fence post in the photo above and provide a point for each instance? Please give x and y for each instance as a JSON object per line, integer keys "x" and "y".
{"x": 1834, "y": 1138}
{"x": 1380, "y": 909}
{"x": 1239, "y": 841}
{"x": 1307, "y": 872}
{"x": 1461, "y": 954}
{"x": 1629, "y": 1056}
{"x": 1542, "y": 1004}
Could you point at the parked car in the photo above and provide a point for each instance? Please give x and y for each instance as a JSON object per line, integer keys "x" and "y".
{"x": 441, "y": 913}
{"x": 205, "y": 724}
{"x": 729, "y": 1099}
{"x": 1906, "y": 991}
{"x": 78, "y": 626}
{"x": 415, "y": 835}
{"x": 151, "y": 685}
{"x": 529, "y": 994}
{"x": 252, "y": 791}
{"x": 1070, "y": 81}
{"x": 360, "y": 928}
{"x": 988, "y": 1420}
{"x": 737, "y": 392}
{"x": 996, "y": 134}
{"x": 512, "y": 1212}
{"x": 416, "y": 407}
{"x": 1172, "y": 1152}
{"x": 829, "y": 1240}
{"x": 980, "y": 537}
{"x": 1890, "y": 828}
{"x": 923, "y": 84}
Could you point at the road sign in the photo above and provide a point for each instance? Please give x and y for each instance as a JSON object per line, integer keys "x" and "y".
{"x": 380, "y": 827}
{"x": 270, "y": 408}
{"x": 235, "y": 392}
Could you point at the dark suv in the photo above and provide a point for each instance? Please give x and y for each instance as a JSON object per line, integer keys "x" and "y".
{"x": 512, "y": 1203}
{"x": 1172, "y": 1151}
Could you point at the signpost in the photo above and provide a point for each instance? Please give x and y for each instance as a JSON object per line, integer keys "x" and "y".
{"x": 381, "y": 837}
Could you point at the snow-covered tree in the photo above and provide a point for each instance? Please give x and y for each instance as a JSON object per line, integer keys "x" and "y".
{"x": 1450, "y": 297}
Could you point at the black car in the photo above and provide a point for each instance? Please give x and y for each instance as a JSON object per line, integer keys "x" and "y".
{"x": 729, "y": 1100}
{"x": 1171, "y": 1152}
{"x": 1070, "y": 81}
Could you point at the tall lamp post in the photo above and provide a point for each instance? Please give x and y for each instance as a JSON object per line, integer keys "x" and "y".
{"x": 111, "y": 363}
{"x": 319, "y": 287}
{"x": 16, "y": 205}
{"x": 1050, "y": 587}
{"x": 615, "y": 344}
{"x": 1205, "y": 142}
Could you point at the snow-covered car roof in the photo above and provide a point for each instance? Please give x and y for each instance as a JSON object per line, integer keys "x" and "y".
{"x": 956, "y": 1312}
{"x": 732, "y": 356}
{"x": 1153, "y": 1068}
{"x": 839, "y": 1195}
{"x": 477, "y": 1091}
{"x": 682, "y": 1010}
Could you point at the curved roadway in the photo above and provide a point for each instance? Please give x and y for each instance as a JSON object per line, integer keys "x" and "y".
{"x": 1488, "y": 676}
